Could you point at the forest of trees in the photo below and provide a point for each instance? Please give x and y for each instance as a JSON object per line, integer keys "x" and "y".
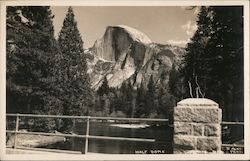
{"x": 213, "y": 64}
{"x": 45, "y": 75}
{"x": 129, "y": 101}
{"x": 49, "y": 76}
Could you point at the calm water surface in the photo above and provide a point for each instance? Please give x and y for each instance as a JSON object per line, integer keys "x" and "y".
{"x": 162, "y": 134}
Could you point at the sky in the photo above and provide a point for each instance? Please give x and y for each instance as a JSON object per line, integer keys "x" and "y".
{"x": 162, "y": 24}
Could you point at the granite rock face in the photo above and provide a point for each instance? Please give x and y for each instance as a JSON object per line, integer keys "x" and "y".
{"x": 126, "y": 54}
{"x": 118, "y": 39}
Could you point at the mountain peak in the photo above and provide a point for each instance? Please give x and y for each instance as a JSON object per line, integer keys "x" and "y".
{"x": 126, "y": 54}
{"x": 116, "y": 40}
{"x": 135, "y": 34}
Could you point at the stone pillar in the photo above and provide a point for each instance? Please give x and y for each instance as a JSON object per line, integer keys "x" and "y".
{"x": 197, "y": 126}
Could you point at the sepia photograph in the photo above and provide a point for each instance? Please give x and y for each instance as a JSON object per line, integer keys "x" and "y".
{"x": 108, "y": 79}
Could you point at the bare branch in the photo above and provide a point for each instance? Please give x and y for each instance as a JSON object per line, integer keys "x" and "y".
{"x": 190, "y": 89}
{"x": 197, "y": 92}
{"x": 198, "y": 87}
{"x": 203, "y": 96}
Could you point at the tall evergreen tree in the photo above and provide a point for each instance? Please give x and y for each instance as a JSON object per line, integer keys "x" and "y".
{"x": 195, "y": 67}
{"x": 30, "y": 51}
{"x": 130, "y": 96}
{"x": 176, "y": 86}
{"x": 226, "y": 49}
{"x": 31, "y": 55}
{"x": 126, "y": 98}
{"x": 140, "y": 100}
{"x": 75, "y": 86}
{"x": 151, "y": 97}
{"x": 104, "y": 88}
{"x": 166, "y": 102}
{"x": 214, "y": 59}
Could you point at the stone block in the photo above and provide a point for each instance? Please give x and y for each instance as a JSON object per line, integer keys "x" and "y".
{"x": 197, "y": 129}
{"x": 184, "y": 143}
{"x": 199, "y": 115}
{"x": 212, "y": 130}
{"x": 206, "y": 115}
{"x": 182, "y": 128}
{"x": 182, "y": 114}
{"x": 197, "y": 102}
{"x": 208, "y": 144}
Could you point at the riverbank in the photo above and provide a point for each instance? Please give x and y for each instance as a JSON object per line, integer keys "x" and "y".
{"x": 34, "y": 140}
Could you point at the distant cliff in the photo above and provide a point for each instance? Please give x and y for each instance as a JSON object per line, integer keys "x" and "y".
{"x": 126, "y": 54}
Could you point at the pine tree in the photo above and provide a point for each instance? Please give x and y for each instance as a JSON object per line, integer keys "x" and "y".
{"x": 30, "y": 47}
{"x": 130, "y": 97}
{"x": 214, "y": 59}
{"x": 226, "y": 49}
{"x": 104, "y": 88}
{"x": 126, "y": 96}
{"x": 140, "y": 100}
{"x": 175, "y": 85}
{"x": 195, "y": 67}
{"x": 31, "y": 50}
{"x": 150, "y": 98}
{"x": 75, "y": 86}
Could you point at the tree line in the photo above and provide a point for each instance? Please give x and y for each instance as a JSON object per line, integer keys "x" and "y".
{"x": 213, "y": 66}
{"x": 152, "y": 101}
{"x": 45, "y": 75}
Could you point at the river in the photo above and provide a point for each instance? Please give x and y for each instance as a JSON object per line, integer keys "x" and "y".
{"x": 162, "y": 133}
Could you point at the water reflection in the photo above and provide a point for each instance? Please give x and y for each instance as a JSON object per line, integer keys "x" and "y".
{"x": 162, "y": 133}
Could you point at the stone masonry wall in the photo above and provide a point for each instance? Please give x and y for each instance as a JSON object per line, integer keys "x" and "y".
{"x": 197, "y": 126}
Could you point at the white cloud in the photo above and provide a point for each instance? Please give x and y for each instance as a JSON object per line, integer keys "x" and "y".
{"x": 181, "y": 43}
{"x": 189, "y": 27}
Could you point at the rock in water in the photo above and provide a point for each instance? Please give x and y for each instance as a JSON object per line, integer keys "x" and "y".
{"x": 126, "y": 54}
